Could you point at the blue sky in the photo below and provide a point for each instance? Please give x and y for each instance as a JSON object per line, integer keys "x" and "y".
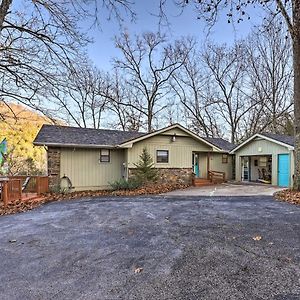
{"x": 102, "y": 50}
{"x": 186, "y": 23}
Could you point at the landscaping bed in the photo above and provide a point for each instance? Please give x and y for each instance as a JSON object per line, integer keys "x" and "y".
{"x": 151, "y": 189}
{"x": 288, "y": 195}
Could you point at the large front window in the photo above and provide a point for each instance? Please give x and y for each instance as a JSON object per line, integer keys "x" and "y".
{"x": 162, "y": 156}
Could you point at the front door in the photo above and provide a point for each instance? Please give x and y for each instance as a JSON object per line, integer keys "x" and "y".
{"x": 195, "y": 162}
{"x": 283, "y": 170}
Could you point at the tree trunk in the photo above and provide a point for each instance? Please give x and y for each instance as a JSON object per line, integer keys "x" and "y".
{"x": 296, "y": 54}
{"x": 149, "y": 124}
{"x": 4, "y": 7}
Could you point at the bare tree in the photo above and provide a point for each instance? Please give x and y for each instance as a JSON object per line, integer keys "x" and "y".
{"x": 270, "y": 74}
{"x": 127, "y": 117}
{"x": 191, "y": 86}
{"x": 239, "y": 10}
{"x": 226, "y": 67}
{"x": 149, "y": 62}
{"x": 37, "y": 38}
{"x": 82, "y": 96}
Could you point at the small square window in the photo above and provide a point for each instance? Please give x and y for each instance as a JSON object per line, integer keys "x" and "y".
{"x": 224, "y": 158}
{"x": 162, "y": 156}
{"x": 104, "y": 155}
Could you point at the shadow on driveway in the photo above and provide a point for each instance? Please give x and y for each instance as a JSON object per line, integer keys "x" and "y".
{"x": 188, "y": 248}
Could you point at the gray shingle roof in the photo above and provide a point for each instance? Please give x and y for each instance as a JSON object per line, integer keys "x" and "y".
{"x": 221, "y": 143}
{"x": 286, "y": 139}
{"x": 71, "y": 136}
{"x": 65, "y": 135}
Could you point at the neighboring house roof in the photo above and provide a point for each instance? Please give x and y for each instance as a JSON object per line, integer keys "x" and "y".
{"x": 221, "y": 143}
{"x": 53, "y": 135}
{"x": 280, "y": 139}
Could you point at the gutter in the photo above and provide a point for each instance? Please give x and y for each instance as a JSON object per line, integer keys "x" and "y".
{"x": 74, "y": 145}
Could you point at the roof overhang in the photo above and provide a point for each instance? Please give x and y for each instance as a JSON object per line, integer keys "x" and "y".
{"x": 258, "y": 135}
{"x": 130, "y": 143}
{"x": 73, "y": 145}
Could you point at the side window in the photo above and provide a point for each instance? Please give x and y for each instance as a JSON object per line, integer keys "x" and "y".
{"x": 162, "y": 156}
{"x": 224, "y": 158}
{"x": 104, "y": 155}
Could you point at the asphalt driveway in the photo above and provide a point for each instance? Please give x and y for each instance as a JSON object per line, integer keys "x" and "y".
{"x": 188, "y": 248}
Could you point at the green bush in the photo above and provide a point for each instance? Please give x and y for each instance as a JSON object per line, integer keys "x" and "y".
{"x": 123, "y": 184}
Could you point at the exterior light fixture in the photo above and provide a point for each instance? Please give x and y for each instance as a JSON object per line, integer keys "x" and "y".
{"x": 174, "y": 138}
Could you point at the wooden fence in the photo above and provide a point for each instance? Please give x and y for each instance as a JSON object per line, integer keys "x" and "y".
{"x": 42, "y": 184}
{"x": 11, "y": 188}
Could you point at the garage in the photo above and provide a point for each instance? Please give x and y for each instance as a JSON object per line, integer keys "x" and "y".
{"x": 257, "y": 168}
{"x": 265, "y": 158}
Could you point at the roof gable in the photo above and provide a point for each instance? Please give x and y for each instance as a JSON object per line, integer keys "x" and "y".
{"x": 286, "y": 139}
{"x": 282, "y": 140}
{"x": 217, "y": 144}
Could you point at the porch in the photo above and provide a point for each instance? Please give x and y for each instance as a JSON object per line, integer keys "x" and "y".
{"x": 209, "y": 168}
{"x": 24, "y": 188}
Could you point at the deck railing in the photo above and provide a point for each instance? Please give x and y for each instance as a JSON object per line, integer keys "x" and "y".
{"x": 11, "y": 188}
{"x": 216, "y": 176}
{"x": 36, "y": 184}
{"x": 42, "y": 184}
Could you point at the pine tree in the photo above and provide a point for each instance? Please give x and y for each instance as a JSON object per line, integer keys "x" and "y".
{"x": 145, "y": 170}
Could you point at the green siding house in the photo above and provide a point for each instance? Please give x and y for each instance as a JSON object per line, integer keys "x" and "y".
{"x": 91, "y": 158}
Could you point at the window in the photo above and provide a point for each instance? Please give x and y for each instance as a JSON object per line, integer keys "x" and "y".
{"x": 104, "y": 155}
{"x": 224, "y": 158}
{"x": 162, "y": 156}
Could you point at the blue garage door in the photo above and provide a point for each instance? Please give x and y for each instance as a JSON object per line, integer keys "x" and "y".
{"x": 283, "y": 170}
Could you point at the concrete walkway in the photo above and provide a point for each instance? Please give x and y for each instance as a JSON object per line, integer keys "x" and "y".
{"x": 228, "y": 189}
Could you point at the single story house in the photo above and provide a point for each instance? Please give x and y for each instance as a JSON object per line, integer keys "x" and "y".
{"x": 92, "y": 158}
{"x": 267, "y": 158}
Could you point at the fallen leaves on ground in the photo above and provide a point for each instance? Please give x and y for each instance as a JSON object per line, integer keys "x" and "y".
{"x": 257, "y": 238}
{"x": 19, "y": 206}
{"x": 150, "y": 189}
{"x": 288, "y": 195}
{"x": 138, "y": 270}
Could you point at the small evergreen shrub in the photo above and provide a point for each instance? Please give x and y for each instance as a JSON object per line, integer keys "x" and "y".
{"x": 123, "y": 184}
{"x": 145, "y": 171}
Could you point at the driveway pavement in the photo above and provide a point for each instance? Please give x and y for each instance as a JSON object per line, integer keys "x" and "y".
{"x": 188, "y": 248}
{"x": 228, "y": 189}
